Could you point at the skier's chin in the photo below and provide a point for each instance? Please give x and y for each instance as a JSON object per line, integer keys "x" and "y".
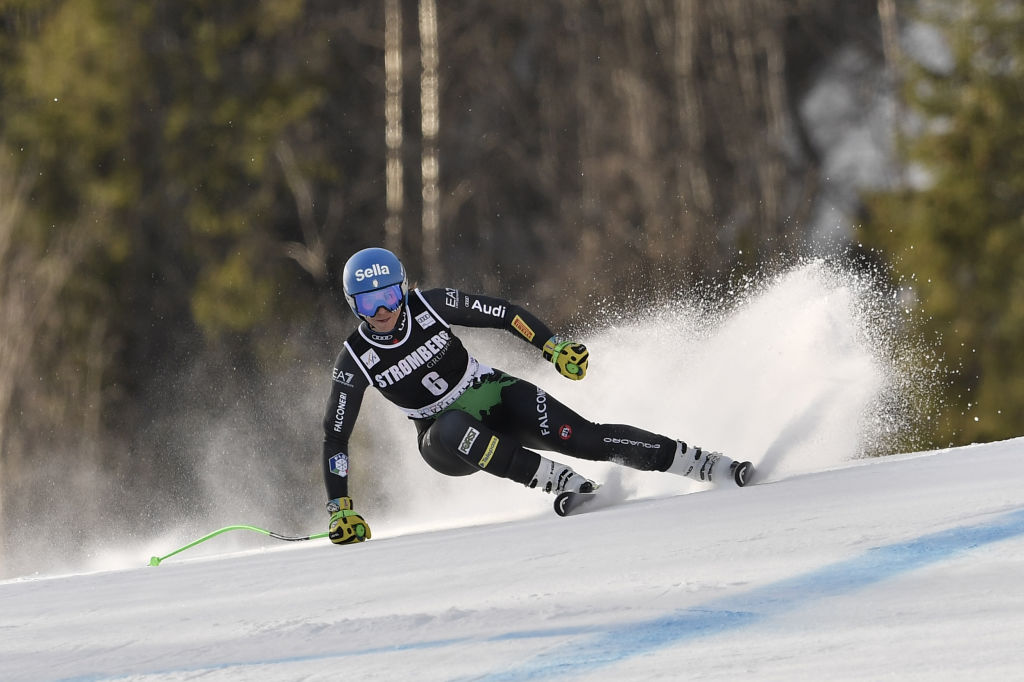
{"x": 385, "y": 323}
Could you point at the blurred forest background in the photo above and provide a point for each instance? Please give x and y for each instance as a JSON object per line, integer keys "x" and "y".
{"x": 180, "y": 183}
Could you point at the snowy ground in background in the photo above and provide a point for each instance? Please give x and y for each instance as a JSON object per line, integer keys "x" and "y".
{"x": 906, "y": 567}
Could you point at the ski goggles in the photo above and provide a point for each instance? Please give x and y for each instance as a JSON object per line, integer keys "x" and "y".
{"x": 388, "y": 298}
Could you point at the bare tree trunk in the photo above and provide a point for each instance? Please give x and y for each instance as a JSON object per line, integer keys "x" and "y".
{"x": 394, "y": 192}
{"x": 893, "y": 67}
{"x": 29, "y": 300}
{"x": 429, "y": 125}
{"x": 311, "y": 253}
{"x": 890, "y": 35}
{"x": 696, "y": 203}
{"x": 14, "y": 341}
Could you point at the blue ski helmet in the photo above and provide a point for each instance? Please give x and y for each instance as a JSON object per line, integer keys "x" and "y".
{"x": 374, "y": 270}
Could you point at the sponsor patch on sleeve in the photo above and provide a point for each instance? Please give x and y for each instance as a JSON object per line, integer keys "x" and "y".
{"x": 339, "y": 464}
{"x": 520, "y": 326}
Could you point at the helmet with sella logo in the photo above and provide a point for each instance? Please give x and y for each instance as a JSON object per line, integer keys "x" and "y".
{"x": 374, "y": 278}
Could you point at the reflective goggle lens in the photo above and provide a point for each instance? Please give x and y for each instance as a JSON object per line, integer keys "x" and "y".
{"x": 389, "y": 298}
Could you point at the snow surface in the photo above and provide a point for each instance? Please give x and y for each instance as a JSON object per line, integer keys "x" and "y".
{"x": 832, "y": 567}
{"x": 905, "y": 568}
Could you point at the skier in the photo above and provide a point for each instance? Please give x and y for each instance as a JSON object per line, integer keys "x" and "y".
{"x": 470, "y": 417}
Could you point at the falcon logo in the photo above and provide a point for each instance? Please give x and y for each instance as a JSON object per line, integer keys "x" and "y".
{"x": 542, "y": 412}
{"x": 339, "y": 414}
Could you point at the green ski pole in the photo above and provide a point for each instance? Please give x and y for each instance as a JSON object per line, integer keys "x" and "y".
{"x": 155, "y": 561}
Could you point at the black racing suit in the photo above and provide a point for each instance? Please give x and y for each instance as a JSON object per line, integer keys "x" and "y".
{"x": 468, "y": 416}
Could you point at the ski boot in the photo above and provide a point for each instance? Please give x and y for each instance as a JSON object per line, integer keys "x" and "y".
{"x": 709, "y": 467}
{"x": 556, "y": 478}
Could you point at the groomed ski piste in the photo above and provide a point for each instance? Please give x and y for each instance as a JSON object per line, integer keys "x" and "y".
{"x": 831, "y": 566}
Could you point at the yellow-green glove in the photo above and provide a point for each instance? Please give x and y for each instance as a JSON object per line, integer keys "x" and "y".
{"x": 568, "y": 357}
{"x": 346, "y": 525}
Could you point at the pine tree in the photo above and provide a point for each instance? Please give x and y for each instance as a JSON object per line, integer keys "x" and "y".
{"x": 957, "y": 233}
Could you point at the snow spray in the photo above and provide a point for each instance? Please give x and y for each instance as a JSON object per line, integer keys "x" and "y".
{"x": 798, "y": 372}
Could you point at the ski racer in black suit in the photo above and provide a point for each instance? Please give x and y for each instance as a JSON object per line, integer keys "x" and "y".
{"x": 470, "y": 417}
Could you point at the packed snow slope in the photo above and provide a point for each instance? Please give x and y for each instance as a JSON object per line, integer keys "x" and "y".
{"x": 904, "y": 567}
{"x": 832, "y": 566}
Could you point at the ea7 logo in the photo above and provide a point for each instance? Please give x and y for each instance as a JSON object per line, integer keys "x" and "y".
{"x": 451, "y": 298}
{"x": 343, "y": 377}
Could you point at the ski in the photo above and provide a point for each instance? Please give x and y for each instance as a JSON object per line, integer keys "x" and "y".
{"x": 571, "y": 502}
